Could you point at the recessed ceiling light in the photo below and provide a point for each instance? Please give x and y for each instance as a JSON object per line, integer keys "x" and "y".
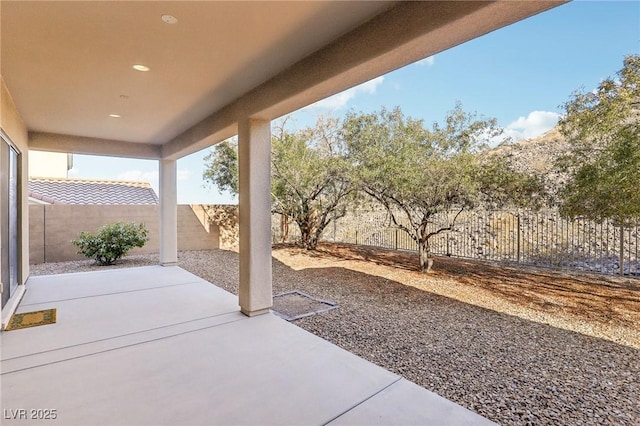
{"x": 114, "y": 115}
{"x": 139, "y": 67}
{"x": 169, "y": 19}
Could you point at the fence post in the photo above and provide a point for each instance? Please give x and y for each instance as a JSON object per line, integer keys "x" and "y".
{"x": 621, "y": 250}
{"x": 356, "y": 236}
{"x": 396, "y": 239}
{"x": 518, "y": 238}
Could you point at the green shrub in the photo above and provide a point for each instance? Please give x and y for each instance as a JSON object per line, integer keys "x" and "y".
{"x": 111, "y": 242}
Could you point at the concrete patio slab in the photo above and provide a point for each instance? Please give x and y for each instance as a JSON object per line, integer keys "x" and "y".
{"x": 405, "y": 403}
{"x": 159, "y": 346}
{"x": 75, "y": 286}
{"x": 108, "y": 307}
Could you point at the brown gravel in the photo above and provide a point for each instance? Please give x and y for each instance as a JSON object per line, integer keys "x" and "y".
{"x": 130, "y": 261}
{"x": 477, "y": 334}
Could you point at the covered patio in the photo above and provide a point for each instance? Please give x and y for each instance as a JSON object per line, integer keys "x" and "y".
{"x": 160, "y": 346}
{"x": 161, "y": 80}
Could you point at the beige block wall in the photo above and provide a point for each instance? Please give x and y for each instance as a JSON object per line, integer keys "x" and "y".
{"x": 36, "y": 234}
{"x": 194, "y": 230}
{"x": 225, "y": 218}
{"x": 54, "y": 226}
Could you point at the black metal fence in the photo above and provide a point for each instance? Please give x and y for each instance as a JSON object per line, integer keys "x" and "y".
{"x": 532, "y": 238}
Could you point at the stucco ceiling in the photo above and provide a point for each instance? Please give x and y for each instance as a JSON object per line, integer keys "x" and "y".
{"x": 68, "y": 65}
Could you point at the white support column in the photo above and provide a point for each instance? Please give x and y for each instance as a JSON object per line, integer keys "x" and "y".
{"x": 168, "y": 213}
{"x": 254, "y": 167}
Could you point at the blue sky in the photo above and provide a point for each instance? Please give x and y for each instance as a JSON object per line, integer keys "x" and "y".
{"x": 520, "y": 75}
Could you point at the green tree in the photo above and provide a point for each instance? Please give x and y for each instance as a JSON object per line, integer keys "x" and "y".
{"x": 420, "y": 175}
{"x": 603, "y": 128}
{"x": 310, "y": 180}
{"x": 222, "y": 166}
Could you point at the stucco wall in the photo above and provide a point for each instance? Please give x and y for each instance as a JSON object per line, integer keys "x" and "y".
{"x": 13, "y": 126}
{"x": 15, "y": 131}
{"x": 54, "y": 226}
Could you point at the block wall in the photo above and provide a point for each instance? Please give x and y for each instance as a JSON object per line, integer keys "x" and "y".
{"x": 52, "y": 227}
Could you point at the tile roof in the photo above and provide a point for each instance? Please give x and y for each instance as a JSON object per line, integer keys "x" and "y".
{"x": 91, "y": 191}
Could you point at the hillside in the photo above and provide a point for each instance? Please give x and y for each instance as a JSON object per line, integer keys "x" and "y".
{"x": 537, "y": 155}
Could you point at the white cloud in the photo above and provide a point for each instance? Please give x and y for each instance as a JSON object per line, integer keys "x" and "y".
{"x": 535, "y": 124}
{"x": 73, "y": 172}
{"x": 138, "y": 176}
{"x": 428, "y": 61}
{"x": 339, "y": 100}
{"x": 184, "y": 174}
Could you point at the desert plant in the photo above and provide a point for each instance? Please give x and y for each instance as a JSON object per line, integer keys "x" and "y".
{"x": 310, "y": 176}
{"x": 111, "y": 241}
{"x": 603, "y": 129}
{"x": 417, "y": 174}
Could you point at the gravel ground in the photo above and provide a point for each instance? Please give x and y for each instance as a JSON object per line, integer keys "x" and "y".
{"x": 130, "y": 261}
{"x": 508, "y": 369}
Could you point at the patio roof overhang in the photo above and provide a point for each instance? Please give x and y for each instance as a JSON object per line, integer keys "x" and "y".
{"x": 224, "y": 68}
{"x": 68, "y": 65}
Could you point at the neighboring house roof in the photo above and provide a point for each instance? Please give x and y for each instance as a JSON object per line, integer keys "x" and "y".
{"x": 86, "y": 191}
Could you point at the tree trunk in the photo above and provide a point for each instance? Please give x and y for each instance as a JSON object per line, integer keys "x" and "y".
{"x": 308, "y": 237}
{"x": 311, "y": 232}
{"x": 284, "y": 228}
{"x": 313, "y": 242}
{"x": 309, "y": 240}
{"x": 424, "y": 253}
{"x": 305, "y": 238}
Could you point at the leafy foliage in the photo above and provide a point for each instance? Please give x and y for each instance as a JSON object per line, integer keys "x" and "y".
{"x": 310, "y": 176}
{"x": 418, "y": 173}
{"x": 604, "y": 162}
{"x": 414, "y": 172}
{"x": 111, "y": 242}
{"x": 222, "y": 167}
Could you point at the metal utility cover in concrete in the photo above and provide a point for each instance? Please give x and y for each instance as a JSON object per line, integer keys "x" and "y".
{"x": 293, "y": 305}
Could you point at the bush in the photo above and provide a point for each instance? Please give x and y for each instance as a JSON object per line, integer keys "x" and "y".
{"x": 111, "y": 242}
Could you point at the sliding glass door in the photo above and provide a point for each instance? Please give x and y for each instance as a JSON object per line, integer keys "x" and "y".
{"x": 9, "y": 220}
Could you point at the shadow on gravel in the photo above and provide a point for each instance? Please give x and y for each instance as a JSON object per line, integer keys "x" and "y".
{"x": 508, "y": 369}
{"x": 607, "y": 300}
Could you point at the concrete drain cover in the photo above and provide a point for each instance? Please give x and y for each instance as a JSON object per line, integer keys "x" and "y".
{"x": 293, "y": 305}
